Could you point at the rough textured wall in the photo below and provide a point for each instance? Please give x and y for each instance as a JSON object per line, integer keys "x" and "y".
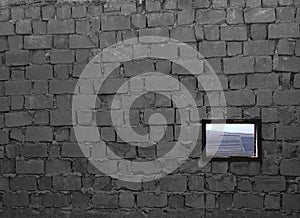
{"x": 253, "y": 46}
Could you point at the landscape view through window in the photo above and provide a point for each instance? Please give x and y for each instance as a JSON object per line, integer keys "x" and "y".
{"x": 230, "y": 140}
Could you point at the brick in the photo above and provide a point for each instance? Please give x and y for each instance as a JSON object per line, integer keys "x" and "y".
{"x": 201, "y": 4}
{"x": 283, "y": 30}
{"x": 79, "y": 41}
{"x": 15, "y": 42}
{"x": 269, "y": 184}
{"x": 263, "y": 81}
{"x": 103, "y": 200}
{"x": 24, "y": 27}
{"x": 40, "y": 87}
{"x": 56, "y": 166}
{"x": 286, "y": 47}
{"x": 259, "y": 15}
{"x": 151, "y": 200}
{"x": 157, "y": 32}
{"x": 17, "y": 58}
{"x": 263, "y": 64}
{"x": 55, "y": 200}
{"x": 61, "y": 27}
{"x": 17, "y": 119}
{"x": 258, "y": 31}
{"x": 36, "y": 134}
{"x": 38, "y": 102}
{"x": 4, "y": 14}
{"x": 221, "y": 183}
{"x": 237, "y": 65}
{"x": 175, "y": 183}
{"x": 234, "y": 15}
{"x": 230, "y": 33}
{"x": 210, "y": 16}
{"x": 71, "y": 150}
{"x": 33, "y": 150}
{"x": 154, "y": 83}
{"x": 15, "y": 199}
{"x": 247, "y": 201}
{"x": 288, "y": 132}
{"x": 195, "y": 200}
{"x": 185, "y": 17}
{"x": 4, "y": 183}
{"x": 234, "y": 48}
{"x": 66, "y": 183}
{"x": 160, "y": 19}
{"x": 272, "y": 201}
{"x": 48, "y": 12}
{"x": 291, "y": 201}
{"x": 265, "y": 47}
{"x": 115, "y": 22}
{"x": 62, "y": 57}
{"x": 240, "y": 98}
{"x": 6, "y": 29}
{"x": 4, "y": 73}
{"x": 245, "y": 168}
{"x": 285, "y": 14}
{"x": 37, "y": 42}
{"x": 39, "y": 72}
{"x": 212, "y": 32}
{"x": 3, "y": 45}
{"x": 196, "y": 183}
{"x": 79, "y": 11}
{"x": 212, "y": 49}
{"x": 286, "y": 97}
{"x": 17, "y": 87}
{"x": 183, "y": 34}
{"x": 126, "y": 199}
{"x": 23, "y": 183}
{"x": 152, "y": 5}
{"x": 288, "y": 64}
{"x": 30, "y": 167}
{"x": 61, "y": 118}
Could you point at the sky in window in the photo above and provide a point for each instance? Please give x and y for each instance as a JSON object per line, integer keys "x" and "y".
{"x": 231, "y": 127}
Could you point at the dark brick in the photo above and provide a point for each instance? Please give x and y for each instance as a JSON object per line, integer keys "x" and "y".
{"x": 126, "y": 199}
{"x": 286, "y": 97}
{"x": 17, "y": 87}
{"x": 103, "y": 200}
{"x": 23, "y": 183}
{"x": 212, "y": 49}
{"x": 247, "y": 201}
{"x": 37, "y": 42}
{"x": 4, "y": 104}
{"x": 151, "y": 200}
{"x": 62, "y": 87}
{"x": 33, "y": 150}
{"x": 263, "y": 81}
{"x": 30, "y": 167}
{"x": 237, "y": 65}
{"x": 173, "y": 183}
{"x": 258, "y": 31}
{"x": 36, "y": 134}
{"x": 62, "y": 57}
{"x": 66, "y": 183}
{"x": 240, "y": 98}
{"x": 230, "y": 33}
{"x": 291, "y": 201}
{"x": 55, "y": 200}
{"x": 79, "y": 41}
{"x": 48, "y": 12}
{"x": 61, "y": 118}
{"x": 195, "y": 200}
{"x": 56, "y": 166}
{"x": 23, "y": 27}
{"x": 256, "y": 48}
{"x": 269, "y": 184}
{"x": 17, "y": 119}
{"x": 15, "y": 199}
{"x": 221, "y": 183}
{"x": 290, "y": 167}
{"x": 288, "y": 64}
{"x": 245, "y": 168}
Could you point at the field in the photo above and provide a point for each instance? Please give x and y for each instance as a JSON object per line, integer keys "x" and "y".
{"x": 224, "y": 144}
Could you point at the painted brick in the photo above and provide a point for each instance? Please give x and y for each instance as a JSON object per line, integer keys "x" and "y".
{"x": 237, "y": 65}
{"x": 37, "y": 42}
{"x": 160, "y": 19}
{"x": 212, "y": 49}
{"x": 17, "y": 119}
{"x": 79, "y": 41}
{"x": 115, "y": 22}
{"x": 264, "y": 47}
{"x": 61, "y": 27}
{"x": 210, "y": 16}
{"x": 259, "y": 15}
{"x": 234, "y": 33}
{"x": 283, "y": 30}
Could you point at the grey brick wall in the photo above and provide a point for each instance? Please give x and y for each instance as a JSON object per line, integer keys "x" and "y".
{"x": 253, "y": 46}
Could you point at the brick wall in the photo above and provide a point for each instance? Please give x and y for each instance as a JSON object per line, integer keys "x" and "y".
{"x": 253, "y": 46}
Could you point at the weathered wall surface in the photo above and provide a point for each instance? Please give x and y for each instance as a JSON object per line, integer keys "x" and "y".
{"x": 254, "y": 47}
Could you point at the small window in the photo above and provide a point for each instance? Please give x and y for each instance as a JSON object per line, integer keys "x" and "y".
{"x": 232, "y": 139}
